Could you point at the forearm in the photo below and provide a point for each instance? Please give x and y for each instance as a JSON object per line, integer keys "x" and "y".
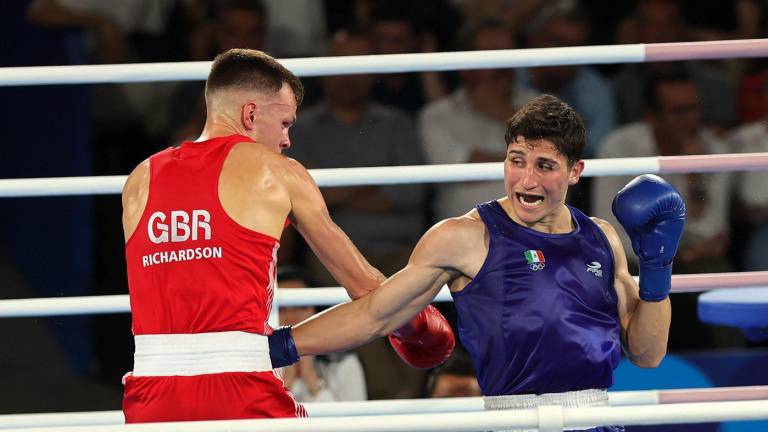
{"x": 340, "y": 328}
{"x": 355, "y": 323}
{"x": 353, "y": 272}
{"x": 648, "y": 332}
{"x": 344, "y": 261}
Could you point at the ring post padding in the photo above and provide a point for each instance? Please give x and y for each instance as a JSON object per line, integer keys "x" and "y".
{"x": 745, "y": 308}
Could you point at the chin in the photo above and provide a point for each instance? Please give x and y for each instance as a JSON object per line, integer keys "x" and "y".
{"x": 528, "y": 215}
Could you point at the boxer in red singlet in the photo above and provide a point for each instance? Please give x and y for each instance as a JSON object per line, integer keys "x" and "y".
{"x": 202, "y": 224}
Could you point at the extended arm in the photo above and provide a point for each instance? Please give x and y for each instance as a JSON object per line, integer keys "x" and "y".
{"x": 401, "y": 297}
{"x": 424, "y": 342}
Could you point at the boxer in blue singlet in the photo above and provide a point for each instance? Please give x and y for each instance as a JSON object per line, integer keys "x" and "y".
{"x": 544, "y": 298}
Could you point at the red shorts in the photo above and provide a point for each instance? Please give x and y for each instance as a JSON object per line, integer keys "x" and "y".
{"x": 221, "y": 396}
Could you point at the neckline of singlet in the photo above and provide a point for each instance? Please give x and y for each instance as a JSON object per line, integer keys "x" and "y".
{"x": 222, "y": 139}
{"x": 497, "y": 207}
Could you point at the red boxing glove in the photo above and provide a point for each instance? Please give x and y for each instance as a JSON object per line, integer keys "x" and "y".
{"x": 426, "y": 341}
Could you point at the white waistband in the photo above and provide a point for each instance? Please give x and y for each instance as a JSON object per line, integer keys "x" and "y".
{"x": 575, "y": 399}
{"x": 200, "y": 353}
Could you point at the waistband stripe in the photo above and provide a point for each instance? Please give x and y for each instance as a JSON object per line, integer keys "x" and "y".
{"x": 200, "y": 353}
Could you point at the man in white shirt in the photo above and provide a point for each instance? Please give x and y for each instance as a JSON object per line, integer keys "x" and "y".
{"x": 466, "y": 126}
{"x": 753, "y": 193}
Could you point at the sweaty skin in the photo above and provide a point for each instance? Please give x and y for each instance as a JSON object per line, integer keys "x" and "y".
{"x": 537, "y": 177}
{"x": 259, "y": 188}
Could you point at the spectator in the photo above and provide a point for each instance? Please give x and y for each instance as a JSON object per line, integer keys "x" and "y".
{"x": 673, "y": 127}
{"x": 395, "y": 31}
{"x": 465, "y": 127}
{"x": 455, "y": 378}
{"x": 563, "y": 24}
{"x": 296, "y": 28}
{"x": 751, "y": 187}
{"x": 235, "y": 24}
{"x": 345, "y": 130}
{"x": 514, "y": 13}
{"x": 331, "y": 378}
{"x": 115, "y": 28}
{"x": 739, "y": 19}
{"x": 660, "y": 21}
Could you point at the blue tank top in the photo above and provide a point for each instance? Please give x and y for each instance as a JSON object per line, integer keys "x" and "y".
{"x": 541, "y": 315}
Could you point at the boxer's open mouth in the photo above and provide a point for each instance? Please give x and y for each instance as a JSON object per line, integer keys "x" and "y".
{"x": 529, "y": 200}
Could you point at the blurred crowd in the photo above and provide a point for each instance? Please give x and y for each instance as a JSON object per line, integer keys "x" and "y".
{"x": 631, "y": 110}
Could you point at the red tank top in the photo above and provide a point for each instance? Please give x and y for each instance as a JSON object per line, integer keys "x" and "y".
{"x": 192, "y": 268}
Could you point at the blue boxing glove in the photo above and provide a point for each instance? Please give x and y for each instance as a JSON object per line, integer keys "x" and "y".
{"x": 653, "y": 215}
{"x": 282, "y": 349}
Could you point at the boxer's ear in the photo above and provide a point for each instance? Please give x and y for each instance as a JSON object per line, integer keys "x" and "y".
{"x": 249, "y": 113}
{"x": 574, "y": 172}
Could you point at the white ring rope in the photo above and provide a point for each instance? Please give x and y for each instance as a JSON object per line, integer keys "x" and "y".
{"x": 104, "y": 304}
{"x": 389, "y": 175}
{"x": 461, "y": 421}
{"x": 391, "y": 63}
{"x": 410, "y": 406}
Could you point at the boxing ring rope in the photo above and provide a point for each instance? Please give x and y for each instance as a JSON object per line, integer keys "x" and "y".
{"x": 411, "y": 406}
{"x": 393, "y": 63}
{"x": 105, "y": 304}
{"x": 389, "y": 175}
{"x": 544, "y": 418}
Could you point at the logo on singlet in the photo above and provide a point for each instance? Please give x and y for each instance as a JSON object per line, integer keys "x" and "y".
{"x": 535, "y": 259}
{"x": 595, "y": 268}
{"x": 181, "y": 227}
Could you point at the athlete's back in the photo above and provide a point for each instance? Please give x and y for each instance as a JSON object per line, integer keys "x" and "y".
{"x": 201, "y": 283}
{"x": 192, "y": 267}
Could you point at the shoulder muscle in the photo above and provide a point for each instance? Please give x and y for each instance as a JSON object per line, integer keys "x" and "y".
{"x": 449, "y": 244}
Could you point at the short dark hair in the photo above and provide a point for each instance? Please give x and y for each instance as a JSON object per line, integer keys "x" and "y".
{"x": 251, "y": 69}
{"x": 667, "y": 73}
{"x": 547, "y": 117}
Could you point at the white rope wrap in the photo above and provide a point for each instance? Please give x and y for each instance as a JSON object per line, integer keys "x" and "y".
{"x": 463, "y": 421}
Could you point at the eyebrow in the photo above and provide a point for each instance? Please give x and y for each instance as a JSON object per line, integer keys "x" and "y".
{"x": 538, "y": 159}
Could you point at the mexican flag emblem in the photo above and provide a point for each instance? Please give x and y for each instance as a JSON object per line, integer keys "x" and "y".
{"x": 535, "y": 259}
